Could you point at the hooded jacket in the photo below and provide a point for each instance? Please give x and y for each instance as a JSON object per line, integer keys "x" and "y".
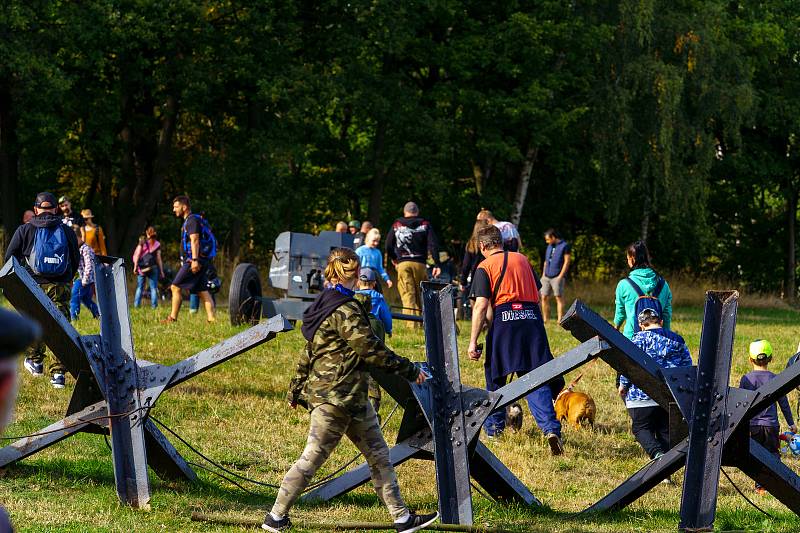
{"x": 22, "y": 241}
{"x": 667, "y": 349}
{"x": 625, "y": 300}
{"x": 378, "y": 307}
{"x": 341, "y": 347}
{"x": 412, "y": 239}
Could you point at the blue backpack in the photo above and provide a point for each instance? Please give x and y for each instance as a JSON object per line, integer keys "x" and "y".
{"x": 208, "y": 243}
{"x": 646, "y": 301}
{"x": 50, "y": 253}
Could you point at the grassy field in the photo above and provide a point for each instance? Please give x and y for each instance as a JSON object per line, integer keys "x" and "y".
{"x": 236, "y": 414}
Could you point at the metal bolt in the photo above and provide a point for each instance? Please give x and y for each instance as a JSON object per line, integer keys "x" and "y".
{"x": 458, "y": 443}
{"x": 486, "y": 403}
{"x": 468, "y": 413}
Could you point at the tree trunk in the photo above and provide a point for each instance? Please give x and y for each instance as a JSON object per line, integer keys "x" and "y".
{"x": 378, "y": 177}
{"x": 9, "y": 159}
{"x": 523, "y": 182}
{"x": 145, "y": 180}
{"x": 791, "y": 255}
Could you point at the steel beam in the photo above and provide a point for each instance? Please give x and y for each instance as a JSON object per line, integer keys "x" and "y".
{"x": 709, "y": 422}
{"x": 398, "y": 454}
{"x": 563, "y": 364}
{"x": 769, "y": 472}
{"x": 496, "y": 479}
{"x": 57, "y": 333}
{"x": 52, "y": 434}
{"x": 121, "y": 383}
{"x": 448, "y": 421}
{"x": 622, "y": 355}
{"x": 642, "y": 481}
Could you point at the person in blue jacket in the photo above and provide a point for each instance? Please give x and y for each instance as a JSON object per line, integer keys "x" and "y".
{"x": 367, "y": 281}
{"x": 370, "y": 256}
{"x": 649, "y": 421}
{"x": 646, "y": 280}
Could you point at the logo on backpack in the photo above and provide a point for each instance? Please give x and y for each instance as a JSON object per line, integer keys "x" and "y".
{"x": 49, "y": 252}
{"x": 646, "y": 301}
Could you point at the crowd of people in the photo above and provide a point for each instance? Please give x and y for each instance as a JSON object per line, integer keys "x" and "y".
{"x": 347, "y": 325}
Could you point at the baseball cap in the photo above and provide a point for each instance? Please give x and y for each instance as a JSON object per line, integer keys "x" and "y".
{"x": 367, "y": 274}
{"x": 647, "y": 314}
{"x": 62, "y": 199}
{"x": 354, "y": 224}
{"x": 45, "y": 198}
{"x": 760, "y": 350}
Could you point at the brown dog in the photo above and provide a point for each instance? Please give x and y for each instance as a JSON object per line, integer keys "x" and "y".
{"x": 575, "y": 407}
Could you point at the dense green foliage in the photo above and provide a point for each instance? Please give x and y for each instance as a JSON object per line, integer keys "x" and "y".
{"x": 673, "y": 121}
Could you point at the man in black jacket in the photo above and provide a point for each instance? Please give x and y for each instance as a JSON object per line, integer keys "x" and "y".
{"x": 410, "y": 240}
{"x": 56, "y": 287}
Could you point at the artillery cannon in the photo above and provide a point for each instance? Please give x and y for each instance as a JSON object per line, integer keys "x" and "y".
{"x": 296, "y": 272}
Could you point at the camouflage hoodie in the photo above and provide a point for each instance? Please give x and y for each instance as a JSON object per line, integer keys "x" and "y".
{"x": 341, "y": 346}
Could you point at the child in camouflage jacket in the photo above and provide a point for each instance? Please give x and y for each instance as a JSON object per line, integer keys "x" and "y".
{"x": 332, "y": 381}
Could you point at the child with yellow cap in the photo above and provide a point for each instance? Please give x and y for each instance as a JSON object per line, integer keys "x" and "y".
{"x": 764, "y": 427}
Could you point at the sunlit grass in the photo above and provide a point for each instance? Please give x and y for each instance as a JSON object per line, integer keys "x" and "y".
{"x": 236, "y": 413}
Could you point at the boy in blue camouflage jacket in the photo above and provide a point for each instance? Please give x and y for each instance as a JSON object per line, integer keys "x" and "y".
{"x": 649, "y": 421}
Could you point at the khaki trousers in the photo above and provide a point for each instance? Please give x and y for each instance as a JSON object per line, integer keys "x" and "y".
{"x": 409, "y": 275}
{"x": 328, "y": 424}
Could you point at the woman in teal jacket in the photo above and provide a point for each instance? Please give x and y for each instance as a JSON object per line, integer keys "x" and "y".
{"x": 646, "y": 278}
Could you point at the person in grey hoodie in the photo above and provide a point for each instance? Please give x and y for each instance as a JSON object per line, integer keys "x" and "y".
{"x": 649, "y": 421}
{"x": 645, "y": 278}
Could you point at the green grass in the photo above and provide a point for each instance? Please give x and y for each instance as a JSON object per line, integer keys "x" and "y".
{"x": 236, "y": 413}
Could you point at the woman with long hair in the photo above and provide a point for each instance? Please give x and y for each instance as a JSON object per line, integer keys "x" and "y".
{"x": 148, "y": 266}
{"x": 642, "y": 280}
{"x": 332, "y": 382}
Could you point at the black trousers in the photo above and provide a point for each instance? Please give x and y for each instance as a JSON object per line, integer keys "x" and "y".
{"x": 767, "y": 436}
{"x": 650, "y": 427}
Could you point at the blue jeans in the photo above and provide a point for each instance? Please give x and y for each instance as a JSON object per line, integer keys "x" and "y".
{"x": 82, "y": 295}
{"x": 152, "y": 278}
{"x": 540, "y": 403}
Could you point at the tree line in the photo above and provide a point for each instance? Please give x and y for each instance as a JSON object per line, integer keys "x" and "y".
{"x": 670, "y": 121}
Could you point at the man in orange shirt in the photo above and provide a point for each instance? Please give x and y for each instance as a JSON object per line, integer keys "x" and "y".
{"x": 507, "y": 298}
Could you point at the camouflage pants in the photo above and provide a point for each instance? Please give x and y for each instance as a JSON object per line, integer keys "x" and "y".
{"x": 328, "y": 424}
{"x": 60, "y": 294}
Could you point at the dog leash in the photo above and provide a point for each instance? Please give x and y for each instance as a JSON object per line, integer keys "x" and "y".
{"x": 574, "y": 382}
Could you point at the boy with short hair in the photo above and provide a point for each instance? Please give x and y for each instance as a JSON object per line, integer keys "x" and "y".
{"x": 650, "y": 421}
{"x": 380, "y": 320}
{"x": 367, "y": 284}
{"x": 764, "y": 427}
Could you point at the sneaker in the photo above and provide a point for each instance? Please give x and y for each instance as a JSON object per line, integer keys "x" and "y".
{"x": 270, "y": 524}
{"x": 556, "y": 445}
{"x": 36, "y": 369}
{"x": 57, "y": 380}
{"x": 416, "y": 522}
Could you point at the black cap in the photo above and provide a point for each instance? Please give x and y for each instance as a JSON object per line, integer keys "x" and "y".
{"x": 46, "y": 198}
{"x": 16, "y": 333}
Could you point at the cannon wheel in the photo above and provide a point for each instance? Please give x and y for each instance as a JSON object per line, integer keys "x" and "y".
{"x": 244, "y": 295}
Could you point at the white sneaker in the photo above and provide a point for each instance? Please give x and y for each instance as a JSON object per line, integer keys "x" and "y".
{"x": 36, "y": 369}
